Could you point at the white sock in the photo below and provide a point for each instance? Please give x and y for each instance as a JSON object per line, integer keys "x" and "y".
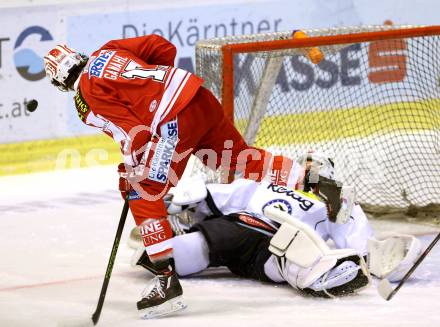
{"x": 191, "y": 253}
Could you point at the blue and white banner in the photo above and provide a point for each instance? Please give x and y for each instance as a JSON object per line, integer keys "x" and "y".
{"x": 27, "y": 33}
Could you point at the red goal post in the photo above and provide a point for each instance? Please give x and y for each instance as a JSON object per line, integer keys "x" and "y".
{"x": 373, "y": 103}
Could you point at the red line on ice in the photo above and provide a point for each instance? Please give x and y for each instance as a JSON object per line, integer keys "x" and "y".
{"x": 63, "y": 281}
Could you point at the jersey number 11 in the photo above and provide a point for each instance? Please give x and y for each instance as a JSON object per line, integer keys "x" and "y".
{"x": 134, "y": 70}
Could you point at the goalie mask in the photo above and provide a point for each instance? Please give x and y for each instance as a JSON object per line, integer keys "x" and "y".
{"x": 315, "y": 164}
{"x": 63, "y": 65}
{"x": 319, "y": 178}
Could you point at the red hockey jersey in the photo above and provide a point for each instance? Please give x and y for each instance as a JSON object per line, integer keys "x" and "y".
{"x": 129, "y": 87}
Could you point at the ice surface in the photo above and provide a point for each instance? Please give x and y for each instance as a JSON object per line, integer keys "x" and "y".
{"x": 56, "y": 232}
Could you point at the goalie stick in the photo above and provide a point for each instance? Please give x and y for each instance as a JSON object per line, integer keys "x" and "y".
{"x": 386, "y": 290}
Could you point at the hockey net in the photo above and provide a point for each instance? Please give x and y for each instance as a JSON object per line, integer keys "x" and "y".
{"x": 373, "y": 104}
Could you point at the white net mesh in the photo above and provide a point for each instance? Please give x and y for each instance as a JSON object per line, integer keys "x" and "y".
{"x": 372, "y": 106}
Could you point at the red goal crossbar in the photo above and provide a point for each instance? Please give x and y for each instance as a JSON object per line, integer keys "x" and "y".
{"x": 229, "y": 50}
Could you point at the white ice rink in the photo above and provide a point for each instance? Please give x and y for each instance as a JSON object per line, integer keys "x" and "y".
{"x": 56, "y": 233}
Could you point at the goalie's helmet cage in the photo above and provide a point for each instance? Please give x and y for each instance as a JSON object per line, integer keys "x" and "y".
{"x": 315, "y": 164}
{"x": 60, "y": 62}
{"x": 318, "y": 160}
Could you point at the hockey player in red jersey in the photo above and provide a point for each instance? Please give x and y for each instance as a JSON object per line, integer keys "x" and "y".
{"x": 159, "y": 115}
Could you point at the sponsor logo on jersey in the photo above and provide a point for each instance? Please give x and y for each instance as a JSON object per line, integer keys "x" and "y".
{"x": 81, "y": 106}
{"x": 281, "y": 168}
{"x": 153, "y": 106}
{"x": 114, "y": 67}
{"x": 280, "y": 204}
{"x": 304, "y": 204}
{"x": 164, "y": 151}
{"x": 254, "y": 222}
{"x": 97, "y": 66}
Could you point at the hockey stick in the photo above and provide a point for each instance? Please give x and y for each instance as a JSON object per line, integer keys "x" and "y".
{"x": 386, "y": 290}
{"x": 111, "y": 261}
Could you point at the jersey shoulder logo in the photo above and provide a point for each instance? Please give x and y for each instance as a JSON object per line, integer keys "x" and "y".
{"x": 97, "y": 66}
{"x": 279, "y": 204}
{"x": 82, "y": 106}
{"x": 153, "y": 105}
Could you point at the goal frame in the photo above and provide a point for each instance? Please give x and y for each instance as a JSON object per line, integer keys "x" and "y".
{"x": 221, "y": 60}
{"x": 229, "y": 50}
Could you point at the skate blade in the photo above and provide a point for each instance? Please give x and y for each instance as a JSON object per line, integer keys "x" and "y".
{"x": 164, "y": 309}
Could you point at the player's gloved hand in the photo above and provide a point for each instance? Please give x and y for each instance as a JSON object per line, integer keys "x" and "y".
{"x": 173, "y": 208}
{"x": 124, "y": 184}
{"x": 187, "y": 194}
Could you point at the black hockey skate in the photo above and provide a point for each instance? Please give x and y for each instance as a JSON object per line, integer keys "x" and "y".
{"x": 162, "y": 297}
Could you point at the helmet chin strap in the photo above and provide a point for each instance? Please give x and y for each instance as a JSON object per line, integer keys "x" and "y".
{"x": 76, "y": 84}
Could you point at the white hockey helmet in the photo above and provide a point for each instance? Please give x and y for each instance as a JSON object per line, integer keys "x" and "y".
{"x": 316, "y": 164}
{"x": 62, "y": 64}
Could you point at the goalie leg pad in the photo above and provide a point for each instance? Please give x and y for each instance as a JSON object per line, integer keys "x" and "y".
{"x": 297, "y": 245}
{"x": 296, "y": 240}
{"x": 302, "y": 246}
{"x": 348, "y": 275}
{"x": 307, "y": 263}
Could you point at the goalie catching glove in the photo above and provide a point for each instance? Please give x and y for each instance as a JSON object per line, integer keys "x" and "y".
{"x": 391, "y": 258}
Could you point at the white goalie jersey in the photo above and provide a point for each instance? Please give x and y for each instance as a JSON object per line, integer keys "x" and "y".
{"x": 253, "y": 198}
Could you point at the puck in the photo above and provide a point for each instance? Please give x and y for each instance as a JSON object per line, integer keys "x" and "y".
{"x": 32, "y": 105}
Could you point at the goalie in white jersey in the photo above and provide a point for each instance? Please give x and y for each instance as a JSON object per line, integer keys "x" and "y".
{"x": 273, "y": 233}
